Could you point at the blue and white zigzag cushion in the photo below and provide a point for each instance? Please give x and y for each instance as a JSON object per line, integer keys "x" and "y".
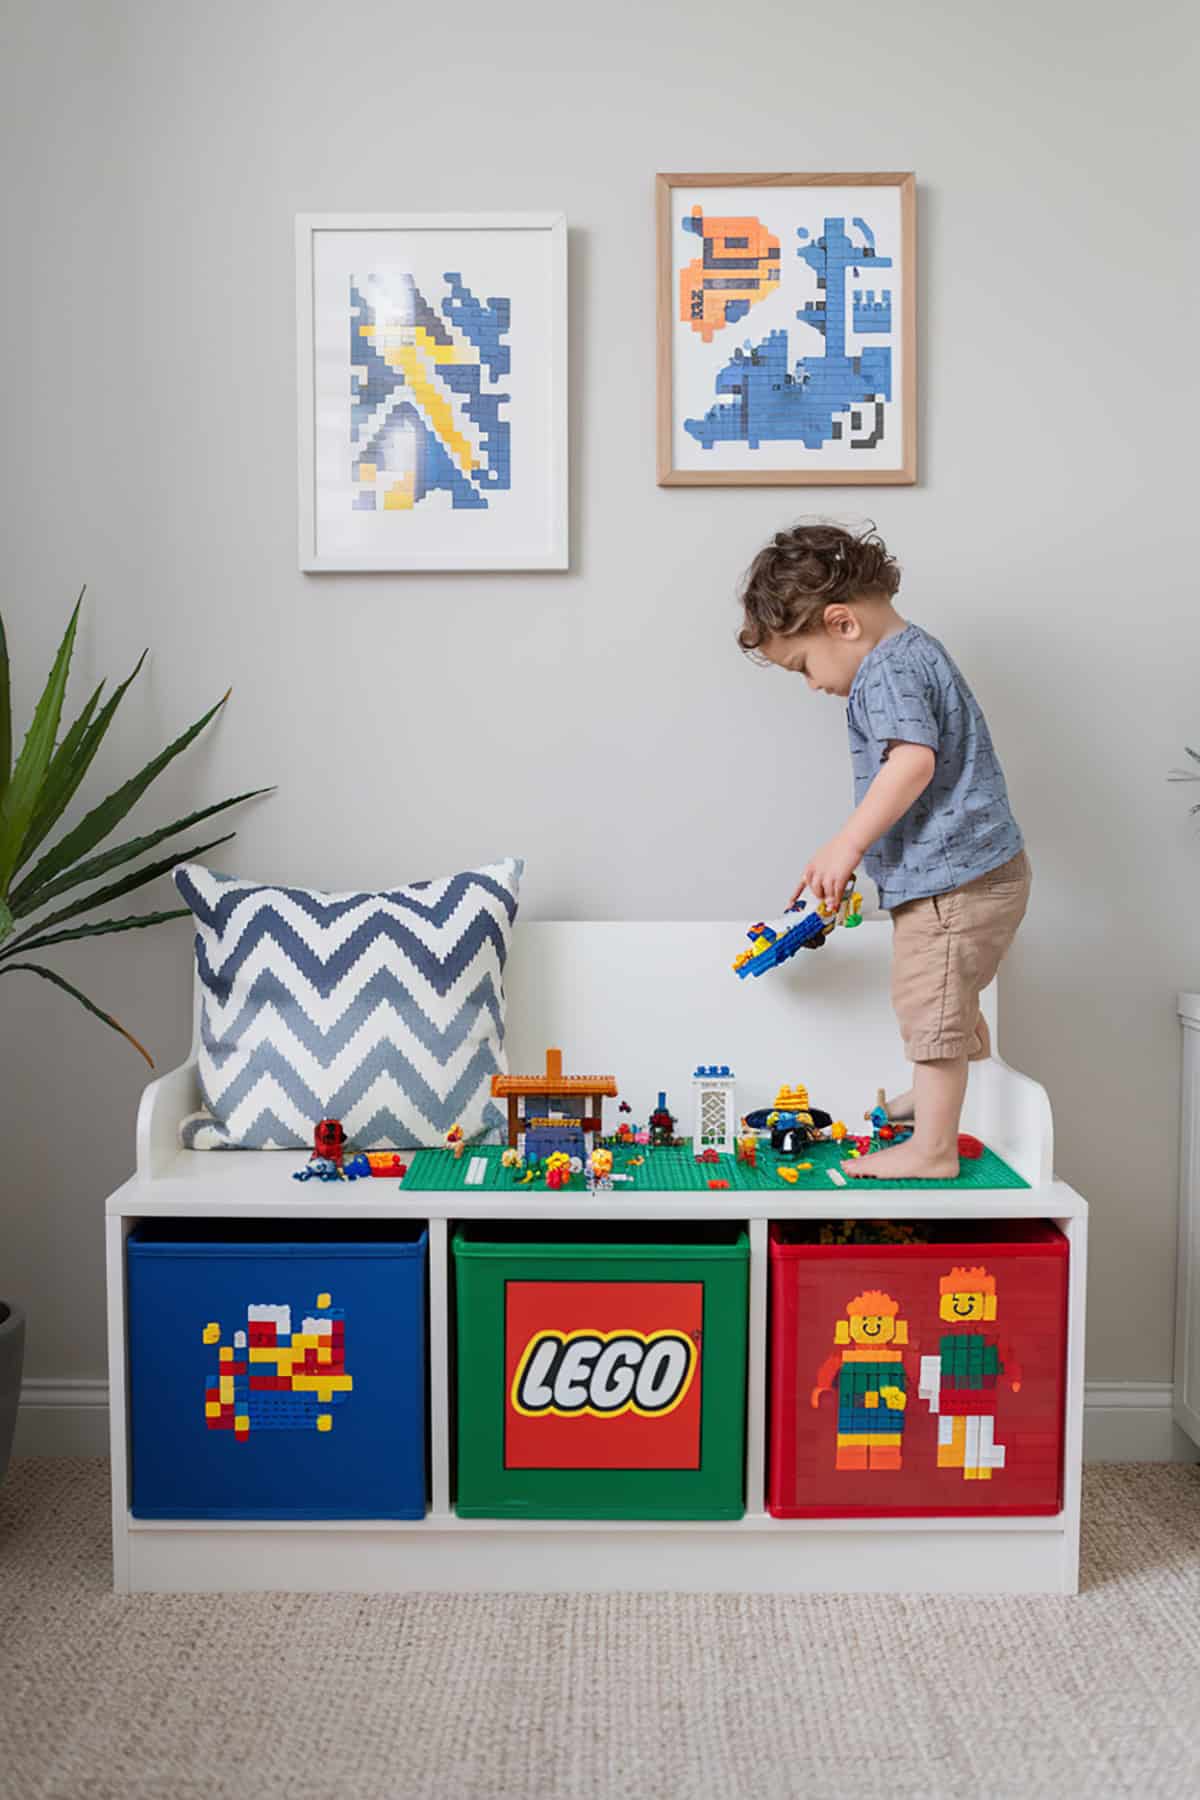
{"x": 385, "y": 1011}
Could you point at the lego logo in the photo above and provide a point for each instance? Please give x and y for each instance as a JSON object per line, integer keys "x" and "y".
{"x": 603, "y": 1374}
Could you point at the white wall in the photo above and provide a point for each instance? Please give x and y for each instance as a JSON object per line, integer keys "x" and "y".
{"x": 158, "y": 154}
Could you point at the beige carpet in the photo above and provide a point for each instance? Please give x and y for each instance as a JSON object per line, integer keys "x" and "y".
{"x": 307, "y": 1698}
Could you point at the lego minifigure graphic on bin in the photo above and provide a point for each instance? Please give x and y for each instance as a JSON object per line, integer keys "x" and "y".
{"x": 274, "y": 1379}
{"x": 960, "y": 1381}
{"x": 868, "y": 1371}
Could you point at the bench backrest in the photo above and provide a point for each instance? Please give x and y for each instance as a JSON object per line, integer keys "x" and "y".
{"x": 647, "y": 1002}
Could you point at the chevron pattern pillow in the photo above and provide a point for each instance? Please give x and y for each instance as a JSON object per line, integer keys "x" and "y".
{"x": 385, "y": 1011}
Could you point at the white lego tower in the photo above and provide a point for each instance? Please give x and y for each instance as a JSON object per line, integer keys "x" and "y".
{"x": 715, "y": 1117}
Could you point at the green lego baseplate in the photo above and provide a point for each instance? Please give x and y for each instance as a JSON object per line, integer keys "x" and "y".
{"x": 677, "y": 1171}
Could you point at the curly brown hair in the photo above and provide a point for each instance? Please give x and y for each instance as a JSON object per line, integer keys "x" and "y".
{"x": 800, "y": 572}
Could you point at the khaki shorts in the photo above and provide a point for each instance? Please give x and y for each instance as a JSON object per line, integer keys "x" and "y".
{"x": 945, "y": 950}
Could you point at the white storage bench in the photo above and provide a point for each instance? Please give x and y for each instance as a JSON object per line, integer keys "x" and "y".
{"x": 648, "y": 1003}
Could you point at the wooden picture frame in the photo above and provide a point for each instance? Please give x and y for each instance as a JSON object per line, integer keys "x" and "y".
{"x": 817, "y": 405}
{"x": 432, "y": 390}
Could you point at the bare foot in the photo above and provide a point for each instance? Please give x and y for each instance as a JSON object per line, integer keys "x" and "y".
{"x": 903, "y": 1162}
{"x": 900, "y": 1111}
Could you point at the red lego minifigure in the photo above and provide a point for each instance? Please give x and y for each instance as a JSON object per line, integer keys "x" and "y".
{"x": 328, "y": 1140}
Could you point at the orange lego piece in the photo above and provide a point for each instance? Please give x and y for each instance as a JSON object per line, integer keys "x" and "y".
{"x": 552, "y": 1081}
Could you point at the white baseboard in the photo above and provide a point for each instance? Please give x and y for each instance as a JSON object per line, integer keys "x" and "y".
{"x": 62, "y": 1418}
{"x": 1123, "y": 1421}
{"x": 1132, "y": 1421}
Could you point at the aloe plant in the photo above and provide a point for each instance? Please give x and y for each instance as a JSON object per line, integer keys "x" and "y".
{"x": 36, "y": 790}
{"x": 1188, "y": 774}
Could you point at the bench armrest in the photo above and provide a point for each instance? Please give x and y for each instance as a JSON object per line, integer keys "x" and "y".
{"x": 1011, "y": 1113}
{"x": 164, "y": 1104}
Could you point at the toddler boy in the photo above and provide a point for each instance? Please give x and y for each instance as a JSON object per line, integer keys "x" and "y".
{"x": 932, "y": 823}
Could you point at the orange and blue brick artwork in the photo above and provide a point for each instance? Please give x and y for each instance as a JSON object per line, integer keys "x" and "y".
{"x": 272, "y": 1378}
{"x": 867, "y": 1369}
{"x": 739, "y": 266}
{"x": 961, "y": 1381}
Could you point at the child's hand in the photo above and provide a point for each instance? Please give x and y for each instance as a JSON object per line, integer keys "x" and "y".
{"x": 829, "y": 871}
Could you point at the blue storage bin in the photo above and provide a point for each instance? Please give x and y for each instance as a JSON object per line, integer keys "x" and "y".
{"x": 277, "y": 1369}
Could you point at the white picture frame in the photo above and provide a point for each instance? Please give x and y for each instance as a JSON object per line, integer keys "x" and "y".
{"x": 399, "y": 467}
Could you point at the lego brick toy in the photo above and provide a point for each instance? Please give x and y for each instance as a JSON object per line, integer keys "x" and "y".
{"x": 798, "y": 929}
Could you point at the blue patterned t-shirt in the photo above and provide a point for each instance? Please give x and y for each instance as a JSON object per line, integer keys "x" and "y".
{"x": 909, "y": 690}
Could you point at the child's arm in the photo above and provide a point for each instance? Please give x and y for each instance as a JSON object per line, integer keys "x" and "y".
{"x": 902, "y": 779}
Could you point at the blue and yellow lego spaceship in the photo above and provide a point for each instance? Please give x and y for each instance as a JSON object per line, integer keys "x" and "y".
{"x": 799, "y": 929}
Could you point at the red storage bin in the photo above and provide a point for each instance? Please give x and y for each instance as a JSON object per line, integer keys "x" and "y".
{"x": 919, "y": 1378}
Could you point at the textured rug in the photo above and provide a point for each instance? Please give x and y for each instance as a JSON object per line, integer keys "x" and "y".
{"x": 282, "y": 1697}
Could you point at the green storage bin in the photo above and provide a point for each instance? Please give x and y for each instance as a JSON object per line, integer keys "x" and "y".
{"x": 601, "y": 1370}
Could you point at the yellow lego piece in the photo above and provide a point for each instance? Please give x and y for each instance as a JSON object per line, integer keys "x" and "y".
{"x": 789, "y": 1175}
{"x": 400, "y": 496}
{"x": 324, "y": 1356}
{"x": 323, "y": 1300}
{"x": 366, "y": 472}
{"x": 871, "y": 1398}
{"x": 895, "y": 1398}
{"x": 804, "y": 1165}
{"x": 212, "y": 1333}
{"x": 435, "y": 407}
{"x": 227, "y": 1389}
{"x": 323, "y": 1386}
{"x": 324, "y": 1421}
{"x": 226, "y": 1353}
{"x": 241, "y": 1421}
{"x": 212, "y": 1409}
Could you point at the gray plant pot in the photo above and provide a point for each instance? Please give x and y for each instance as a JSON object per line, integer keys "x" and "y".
{"x": 12, "y": 1355}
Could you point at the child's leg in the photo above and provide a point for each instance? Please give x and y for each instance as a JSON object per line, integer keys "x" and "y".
{"x": 945, "y": 950}
{"x": 901, "y": 1107}
{"x": 931, "y": 1153}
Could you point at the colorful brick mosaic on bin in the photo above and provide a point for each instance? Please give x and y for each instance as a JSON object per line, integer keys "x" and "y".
{"x": 271, "y": 1378}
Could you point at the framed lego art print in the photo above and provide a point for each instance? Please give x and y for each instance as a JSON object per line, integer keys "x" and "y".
{"x": 432, "y": 365}
{"x": 786, "y": 329}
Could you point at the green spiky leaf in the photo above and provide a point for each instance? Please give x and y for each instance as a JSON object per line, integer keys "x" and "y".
{"x": 60, "y": 764}
{"x": 104, "y": 818}
{"x": 20, "y": 799}
{"x": 28, "y": 897}
{"x": 72, "y": 760}
{"x": 103, "y": 928}
{"x": 68, "y": 988}
{"x": 117, "y": 889}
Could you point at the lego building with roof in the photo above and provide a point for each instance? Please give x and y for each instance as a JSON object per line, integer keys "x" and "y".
{"x": 553, "y": 1111}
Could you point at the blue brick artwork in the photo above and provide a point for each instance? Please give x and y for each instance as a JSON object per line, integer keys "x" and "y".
{"x": 426, "y": 393}
{"x": 814, "y": 383}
